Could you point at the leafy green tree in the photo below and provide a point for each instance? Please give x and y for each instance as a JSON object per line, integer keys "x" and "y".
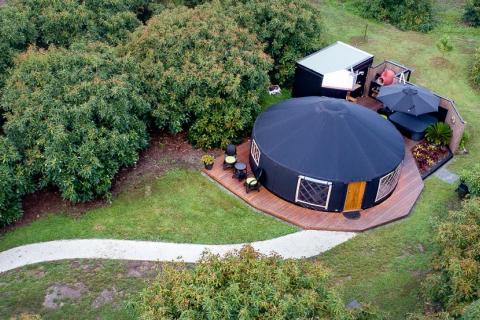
{"x": 472, "y": 311}
{"x": 16, "y": 32}
{"x": 455, "y": 281}
{"x": 76, "y": 116}
{"x": 201, "y": 72}
{"x": 244, "y": 285}
{"x": 13, "y": 183}
{"x": 290, "y": 30}
{"x": 471, "y": 14}
{"x": 405, "y": 14}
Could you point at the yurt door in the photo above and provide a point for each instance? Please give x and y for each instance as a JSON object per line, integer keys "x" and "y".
{"x": 355, "y": 193}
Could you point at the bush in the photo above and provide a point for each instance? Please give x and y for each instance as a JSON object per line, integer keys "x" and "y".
{"x": 472, "y": 312}
{"x": 16, "y": 32}
{"x": 46, "y": 22}
{"x": 76, "y": 116}
{"x": 475, "y": 71}
{"x": 471, "y": 177}
{"x": 13, "y": 183}
{"x": 471, "y": 14}
{"x": 202, "y": 72}
{"x": 439, "y": 133}
{"x": 456, "y": 277}
{"x": 405, "y": 14}
{"x": 243, "y": 285}
{"x": 444, "y": 45}
{"x": 290, "y": 29}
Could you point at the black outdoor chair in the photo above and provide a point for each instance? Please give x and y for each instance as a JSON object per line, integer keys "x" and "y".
{"x": 231, "y": 150}
{"x": 252, "y": 183}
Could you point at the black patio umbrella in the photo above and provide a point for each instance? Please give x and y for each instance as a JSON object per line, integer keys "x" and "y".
{"x": 408, "y": 99}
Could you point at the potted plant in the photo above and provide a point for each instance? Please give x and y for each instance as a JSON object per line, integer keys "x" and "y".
{"x": 208, "y": 161}
{"x": 470, "y": 181}
{"x": 439, "y": 133}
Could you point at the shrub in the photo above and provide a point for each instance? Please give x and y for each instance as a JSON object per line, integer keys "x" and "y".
{"x": 405, "y": 14}
{"x": 444, "y": 45}
{"x": 76, "y": 116}
{"x": 472, "y": 311}
{"x": 290, "y": 29}
{"x": 471, "y": 14}
{"x": 16, "y": 32}
{"x": 471, "y": 177}
{"x": 202, "y": 72}
{"x": 475, "y": 71}
{"x": 13, "y": 183}
{"x": 243, "y": 285}
{"x": 439, "y": 133}
{"x": 456, "y": 277}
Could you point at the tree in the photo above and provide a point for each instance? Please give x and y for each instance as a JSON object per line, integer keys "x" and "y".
{"x": 290, "y": 30}
{"x": 76, "y": 117}
{"x": 455, "y": 281}
{"x": 13, "y": 183}
{"x": 405, "y": 14}
{"x": 244, "y": 285}
{"x": 201, "y": 72}
{"x": 471, "y": 14}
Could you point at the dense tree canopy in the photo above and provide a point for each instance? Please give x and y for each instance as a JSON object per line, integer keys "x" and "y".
{"x": 76, "y": 116}
{"x": 244, "y": 285}
{"x": 290, "y": 30}
{"x": 202, "y": 72}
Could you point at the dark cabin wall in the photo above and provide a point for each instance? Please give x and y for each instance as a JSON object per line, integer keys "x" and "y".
{"x": 306, "y": 82}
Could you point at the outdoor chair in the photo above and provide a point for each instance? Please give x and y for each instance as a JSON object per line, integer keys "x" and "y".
{"x": 252, "y": 183}
{"x": 231, "y": 150}
{"x": 230, "y": 156}
{"x": 229, "y": 161}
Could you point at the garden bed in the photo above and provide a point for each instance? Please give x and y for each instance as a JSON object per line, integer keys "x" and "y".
{"x": 430, "y": 157}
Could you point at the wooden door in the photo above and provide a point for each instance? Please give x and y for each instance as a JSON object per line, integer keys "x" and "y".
{"x": 355, "y": 193}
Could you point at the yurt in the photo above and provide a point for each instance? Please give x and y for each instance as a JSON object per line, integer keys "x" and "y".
{"x": 326, "y": 154}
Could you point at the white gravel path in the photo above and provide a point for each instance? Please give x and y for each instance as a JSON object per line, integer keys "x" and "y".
{"x": 302, "y": 244}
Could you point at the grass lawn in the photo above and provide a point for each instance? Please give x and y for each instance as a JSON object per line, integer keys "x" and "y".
{"x": 23, "y": 291}
{"x": 385, "y": 266}
{"x": 181, "y": 206}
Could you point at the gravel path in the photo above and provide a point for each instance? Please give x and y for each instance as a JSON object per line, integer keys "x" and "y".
{"x": 302, "y": 244}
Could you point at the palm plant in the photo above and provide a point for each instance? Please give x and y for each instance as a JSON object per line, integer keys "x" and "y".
{"x": 439, "y": 133}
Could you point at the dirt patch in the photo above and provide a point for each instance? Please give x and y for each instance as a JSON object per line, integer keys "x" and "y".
{"x": 142, "y": 269}
{"x": 106, "y": 296}
{"x": 58, "y": 293}
{"x": 441, "y": 62}
{"x": 165, "y": 152}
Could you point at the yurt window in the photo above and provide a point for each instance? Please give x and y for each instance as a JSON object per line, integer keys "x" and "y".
{"x": 313, "y": 192}
{"x": 255, "y": 152}
{"x": 388, "y": 183}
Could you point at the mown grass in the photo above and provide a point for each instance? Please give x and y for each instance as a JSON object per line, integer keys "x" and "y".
{"x": 385, "y": 266}
{"x": 23, "y": 291}
{"x": 181, "y": 206}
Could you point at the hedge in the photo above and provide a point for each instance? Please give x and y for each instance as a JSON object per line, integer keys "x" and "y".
{"x": 76, "y": 116}
{"x": 201, "y": 72}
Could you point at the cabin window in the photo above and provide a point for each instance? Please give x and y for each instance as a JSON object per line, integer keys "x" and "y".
{"x": 388, "y": 183}
{"x": 313, "y": 192}
{"x": 255, "y": 152}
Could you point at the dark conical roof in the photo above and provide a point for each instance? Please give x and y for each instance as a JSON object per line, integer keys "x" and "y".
{"x": 329, "y": 139}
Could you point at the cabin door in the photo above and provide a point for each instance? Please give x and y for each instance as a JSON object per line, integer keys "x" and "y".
{"x": 355, "y": 193}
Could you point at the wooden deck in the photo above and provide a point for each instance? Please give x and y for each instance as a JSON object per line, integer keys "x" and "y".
{"x": 397, "y": 206}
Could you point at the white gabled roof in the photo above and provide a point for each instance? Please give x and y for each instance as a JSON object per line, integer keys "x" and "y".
{"x": 338, "y": 56}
